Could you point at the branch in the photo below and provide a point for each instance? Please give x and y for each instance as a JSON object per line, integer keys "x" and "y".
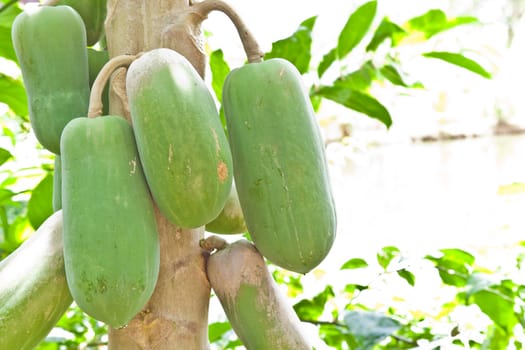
{"x": 251, "y": 47}
{"x": 95, "y": 98}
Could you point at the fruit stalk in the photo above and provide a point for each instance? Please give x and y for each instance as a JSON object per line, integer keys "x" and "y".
{"x": 251, "y": 47}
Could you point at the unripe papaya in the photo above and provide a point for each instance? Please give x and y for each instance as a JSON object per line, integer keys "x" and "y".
{"x": 230, "y": 219}
{"x": 93, "y": 13}
{"x": 182, "y": 145}
{"x": 111, "y": 244}
{"x": 279, "y": 164}
{"x": 50, "y": 44}
{"x": 33, "y": 288}
{"x": 57, "y": 184}
{"x": 258, "y": 312}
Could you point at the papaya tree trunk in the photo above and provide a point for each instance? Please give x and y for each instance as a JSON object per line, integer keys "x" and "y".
{"x": 176, "y": 316}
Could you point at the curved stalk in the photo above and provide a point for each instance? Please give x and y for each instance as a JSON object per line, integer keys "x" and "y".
{"x": 95, "y": 98}
{"x": 251, "y": 47}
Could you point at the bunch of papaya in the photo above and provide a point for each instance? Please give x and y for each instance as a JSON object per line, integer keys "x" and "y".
{"x": 267, "y": 177}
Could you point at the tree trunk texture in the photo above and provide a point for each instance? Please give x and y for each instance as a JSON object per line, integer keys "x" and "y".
{"x": 176, "y": 316}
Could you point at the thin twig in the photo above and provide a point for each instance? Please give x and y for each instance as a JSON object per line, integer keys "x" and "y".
{"x": 251, "y": 47}
{"x": 95, "y": 98}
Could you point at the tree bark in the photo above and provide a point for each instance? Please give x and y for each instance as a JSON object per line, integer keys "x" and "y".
{"x": 176, "y": 316}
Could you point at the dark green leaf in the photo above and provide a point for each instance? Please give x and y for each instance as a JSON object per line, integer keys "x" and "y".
{"x": 392, "y": 74}
{"x": 326, "y": 62}
{"x": 351, "y": 288}
{"x": 360, "y": 79}
{"x": 5, "y": 155}
{"x": 370, "y": 328}
{"x": 40, "y": 206}
{"x": 13, "y": 94}
{"x": 385, "y": 30}
{"x": 312, "y": 309}
{"x": 407, "y": 276}
{"x": 435, "y": 21}
{"x": 216, "y": 330}
{"x": 355, "y": 263}
{"x": 296, "y": 48}
{"x": 219, "y": 71}
{"x": 356, "y": 28}
{"x": 357, "y": 101}
{"x": 386, "y": 255}
{"x": 460, "y": 61}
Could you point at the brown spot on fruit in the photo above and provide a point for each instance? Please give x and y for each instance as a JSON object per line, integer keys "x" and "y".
{"x": 222, "y": 171}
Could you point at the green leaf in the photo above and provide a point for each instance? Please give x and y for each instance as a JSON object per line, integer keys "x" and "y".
{"x": 385, "y": 30}
{"x": 498, "y": 306}
{"x": 8, "y": 15}
{"x": 219, "y": 72}
{"x": 460, "y": 61}
{"x": 497, "y": 339}
{"x": 357, "y": 101}
{"x": 407, "y": 276}
{"x": 313, "y": 309}
{"x": 216, "y": 330}
{"x": 435, "y": 21}
{"x": 386, "y": 255}
{"x": 454, "y": 266}
{"x": 6, "y": 45}
{"x": 360, "y": 79}
{"x": 355, "y": 263}
{"x": 327, "y": 61}
{"x": 370, "y": 328}
{"x": 356, "y": 28}
{"x": 296, "y": 48}
{"x": 392, "y": 75}
{"x": 40, "y": 206}
{"x": 13, "y": 93}
{"x": 335, "y": 336}
{"x": 5, "y": 155}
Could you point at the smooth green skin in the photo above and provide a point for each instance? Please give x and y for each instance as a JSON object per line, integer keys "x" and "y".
{"x": 182, "y": 145}
{"x": 93, "y": 13}
{"x": 230, "y": 220}
{"x": 33, "y": 289}
{"x": 111, "y": 245}
{"x": 279, "y": 164}
{"x": 257, "y": 310}
{"x": 97, "y": 60}
{"x": 50, "y": 44}
{"x": 57, "y": 184}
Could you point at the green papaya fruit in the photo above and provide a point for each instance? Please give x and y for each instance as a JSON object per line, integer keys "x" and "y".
{"x": 57, "y": 184}
{"x": 97, "y": 60}
{"x": 50, "y": 44}
{"x": 111, "y": 244}
{"x": 258, "y": 312}
{"x": 93, "y": 13}
{"x": 182, "y": 145}
{"x": 33, "y": 288}
{"x": 279, "y": 164}
{"x": 230, "y": 219}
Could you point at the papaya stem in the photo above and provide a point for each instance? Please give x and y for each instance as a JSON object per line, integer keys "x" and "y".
{"x": 213, "y": 243}
{"x": 50, "y": 2}
{"x": 95, "y": 98}
{"x": 251, "y": 47}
